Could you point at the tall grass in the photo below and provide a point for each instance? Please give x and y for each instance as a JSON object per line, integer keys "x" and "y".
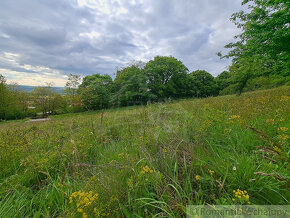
{"x": 148, "y": 161}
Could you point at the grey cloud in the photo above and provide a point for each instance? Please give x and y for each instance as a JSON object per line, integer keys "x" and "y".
{"x": 96, "y": 38}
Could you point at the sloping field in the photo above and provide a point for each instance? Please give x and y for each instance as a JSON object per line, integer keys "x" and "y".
{"x": 151, "y": 160}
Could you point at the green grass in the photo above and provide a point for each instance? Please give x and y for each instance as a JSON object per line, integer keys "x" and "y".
{"x": 148, "y": 161}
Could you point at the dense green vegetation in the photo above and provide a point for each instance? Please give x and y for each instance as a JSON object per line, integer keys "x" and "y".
{"x": 261, "y": 55}
{"x": 41, "y": 102}
{"x": 13, "y": 102}
{"x": 18, "y": 104}
{"x": 160, "y": 79}
{"x": 148, "y": 160}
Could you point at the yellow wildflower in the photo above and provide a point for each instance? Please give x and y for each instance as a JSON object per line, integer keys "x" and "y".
{"x": 211, "y": 172}
{"x": 80, "y": 210}
{"x": 285, "y": 98}
{"x": 242, "y": 195}
{"x": 270, "y": 120}
{"x": 234, "y": 117}
{"x": 282, "y": 129}
{"x": 277, "y": 149}
{"x": 283, "y": 137}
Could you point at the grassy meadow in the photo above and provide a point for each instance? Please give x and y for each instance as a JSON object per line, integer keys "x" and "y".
{"x": 149, "y": 161}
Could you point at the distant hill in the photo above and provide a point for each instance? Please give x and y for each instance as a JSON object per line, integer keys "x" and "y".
{"x": 30, "y": 88}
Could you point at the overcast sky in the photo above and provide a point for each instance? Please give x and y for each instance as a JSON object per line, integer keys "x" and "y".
{"x": 45, "y": 40}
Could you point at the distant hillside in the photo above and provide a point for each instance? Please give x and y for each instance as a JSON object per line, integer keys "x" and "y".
{"x": 30, "y": 88}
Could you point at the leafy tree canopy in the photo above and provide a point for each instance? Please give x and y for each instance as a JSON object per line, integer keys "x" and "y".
{"x": 263, "y": 46}
{"x": 202, "y": 84}
{"x": 95, "y": 91}
{"x": 162, "y": 74}
{"x": 96, "y": 79}
{"x": 131, "y": 86}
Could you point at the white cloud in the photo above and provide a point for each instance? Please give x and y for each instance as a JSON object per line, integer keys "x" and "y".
{"x": 55, "y": 38}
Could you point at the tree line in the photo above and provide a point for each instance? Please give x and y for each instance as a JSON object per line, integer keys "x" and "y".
{"x": 160, "y": 79}
{"x": 260, "y": 59}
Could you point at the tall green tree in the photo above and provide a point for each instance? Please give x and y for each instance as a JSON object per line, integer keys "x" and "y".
{"x": 18, "y": 101}
{"x": 264, "y": 40}
{"x": 223, "y": 80}
{"x": 246, "y": 69}
{"x": 96, "y": 91}
{"x": 13, "y": 101}
{"x": 70, "y": 90}
{"x": 202, "y": 84}
{"x": 3, "y": 97}
{"x": 72, "y": 84}
{"x": 166, "y": 76}
{"x": 131, "y": 86}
